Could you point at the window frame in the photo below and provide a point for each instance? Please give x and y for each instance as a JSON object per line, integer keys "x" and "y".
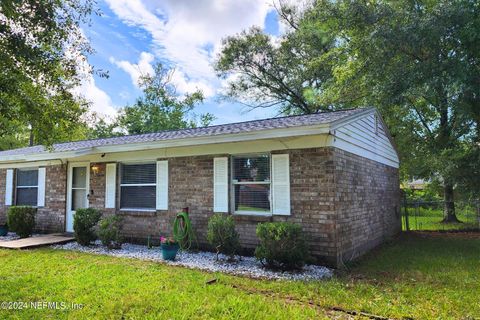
{"x": 25, "y": 187}
{"x": 233, "y": 184}
{"x": 121, "y": 184}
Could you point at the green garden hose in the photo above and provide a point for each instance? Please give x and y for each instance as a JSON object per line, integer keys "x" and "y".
{"x": 182, "y": 231}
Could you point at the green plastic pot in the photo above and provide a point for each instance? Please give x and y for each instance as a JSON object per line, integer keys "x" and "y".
{"x": 169, "y": 251}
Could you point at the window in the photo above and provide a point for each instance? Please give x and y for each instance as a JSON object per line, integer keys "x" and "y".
{"x": 79, "y": 188}
{"x": 27, "y": 187}
{"x": 251, "y": 183}
{"x": 138, "y": 186}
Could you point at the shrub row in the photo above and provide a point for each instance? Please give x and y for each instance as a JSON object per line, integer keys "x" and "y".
{"x": 282, "y": 244}
{"x": 21, "y": 220}
{"x": 85, "y": 223}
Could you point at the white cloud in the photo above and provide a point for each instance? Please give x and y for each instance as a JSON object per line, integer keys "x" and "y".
{"x": 143, "y": 67}
{"x": 188, "y": 33}
{"x": 100, "y": 101}
{"x": 184, "y": 85}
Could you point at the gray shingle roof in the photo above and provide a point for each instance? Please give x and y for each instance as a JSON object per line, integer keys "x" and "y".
{"x": 232, "y": 128}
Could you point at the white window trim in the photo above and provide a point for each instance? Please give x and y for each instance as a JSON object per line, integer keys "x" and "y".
{"x": 138, "y": 209}
{"x": 15, "y": 203}
{"x": 233, "y": 183}
{"x": 136, "y": 185}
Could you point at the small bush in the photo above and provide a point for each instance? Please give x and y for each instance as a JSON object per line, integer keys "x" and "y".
{"x": 21, "y": 220}
{"x": 282, "y": 245}
{"x": 222, "y": 235}
{"x": 83, "y": 223}
{"x": 109, "y": 232}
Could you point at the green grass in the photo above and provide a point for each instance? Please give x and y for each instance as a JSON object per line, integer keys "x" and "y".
{"x": 424, "y": 277}
{"x": 435, "y": 224}
{"x": 430, "y": 219}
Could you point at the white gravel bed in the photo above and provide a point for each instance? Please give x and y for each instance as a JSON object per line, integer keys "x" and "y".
{"x": 245, "y": 266}
{"x": 13, "y": 236}
{"x": 10, "y": 236}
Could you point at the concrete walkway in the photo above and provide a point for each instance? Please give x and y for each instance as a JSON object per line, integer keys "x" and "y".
{"x": 38, "y": 241}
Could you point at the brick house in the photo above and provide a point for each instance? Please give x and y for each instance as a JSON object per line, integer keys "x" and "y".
{"x": 334, "y": 173}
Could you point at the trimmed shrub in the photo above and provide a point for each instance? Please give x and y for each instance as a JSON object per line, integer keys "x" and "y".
{"x": 109, "y": 232}
{"x": 222, "y": 235}
{"x": 21, "y": 220}
{"x": 83, "y": 223}
{"x": 282, "y": 245}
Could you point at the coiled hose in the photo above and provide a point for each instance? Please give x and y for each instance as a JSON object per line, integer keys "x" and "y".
{"x": 182, "y": 231}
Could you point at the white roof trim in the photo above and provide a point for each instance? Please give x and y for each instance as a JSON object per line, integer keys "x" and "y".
{"x": 231, "y": 137}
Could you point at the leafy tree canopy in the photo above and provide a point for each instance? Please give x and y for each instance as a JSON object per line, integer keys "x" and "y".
{"x": 40, "y": 46}
{"x": 161, "y": 107}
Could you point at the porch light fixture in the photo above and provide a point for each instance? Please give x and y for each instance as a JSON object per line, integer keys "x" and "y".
{"x": 95, "y": 169}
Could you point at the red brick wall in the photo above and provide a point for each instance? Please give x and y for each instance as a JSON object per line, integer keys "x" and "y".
{"x": 367, "y": 203}
{"x": 51, "y": 218}
{"x": 191, "y": 185}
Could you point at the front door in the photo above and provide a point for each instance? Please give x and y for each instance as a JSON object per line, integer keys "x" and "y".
{"x": 78, "y": 190}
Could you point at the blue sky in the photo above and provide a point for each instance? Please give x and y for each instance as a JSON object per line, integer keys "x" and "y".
{"x": 131, "y": 35}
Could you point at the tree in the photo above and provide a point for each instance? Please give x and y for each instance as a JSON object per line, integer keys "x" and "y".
{"x": 283, "y": 73}
{"x": 160, "y": 107}
{"x": 99, "y": 127}
{"x": 41, "y": 44}
{"x": 417, "y": 61}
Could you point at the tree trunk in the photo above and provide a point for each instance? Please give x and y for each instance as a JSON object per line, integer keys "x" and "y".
{"x": 449, "y": 208}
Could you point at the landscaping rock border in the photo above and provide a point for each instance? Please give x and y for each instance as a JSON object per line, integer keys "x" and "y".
{"x": 244, "y": 266}
{"x": 13, "y": 236}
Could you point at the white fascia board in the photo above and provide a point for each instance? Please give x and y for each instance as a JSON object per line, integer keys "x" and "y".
{"x": 232, "y": 137}
{"x": 340, "y": 123}
{"x": 29, "y": 164}
{"x": 237, "y": 137}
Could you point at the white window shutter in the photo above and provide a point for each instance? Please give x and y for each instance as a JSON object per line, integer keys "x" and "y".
{"x": 220, "y": 184}
{"x": 162, "y": 185}
{"x": 9, "y": 188}
{"x": 41, "y": 187}
{"x": 110, "y": 184}
{"x": 280, "y": 184}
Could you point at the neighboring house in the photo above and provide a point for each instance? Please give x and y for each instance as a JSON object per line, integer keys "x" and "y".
{"x": 334, "y": 173}
{"x": 415, "y": 184}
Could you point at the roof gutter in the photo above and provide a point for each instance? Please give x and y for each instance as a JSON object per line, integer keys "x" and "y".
{"x": 183, "y": 142}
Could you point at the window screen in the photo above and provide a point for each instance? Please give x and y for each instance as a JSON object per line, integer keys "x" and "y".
{"x": 27, "y": 187}
{"x": 138, "y": 186}
{"x": 251, "y": 183}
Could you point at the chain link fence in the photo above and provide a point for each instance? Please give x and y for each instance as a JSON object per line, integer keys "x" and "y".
{"x": 429, "y": 216}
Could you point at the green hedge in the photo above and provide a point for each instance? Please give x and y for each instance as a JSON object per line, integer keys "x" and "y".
{"x": 282, "y": 245}
{"x": 83, "y": 223}
{"x": 221, "y": 234}
{"x": 21, "y": 220}
{"x": 109, "y": 231}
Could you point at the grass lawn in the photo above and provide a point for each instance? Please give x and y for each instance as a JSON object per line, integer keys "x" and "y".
{"x": 424, "y": 277}
{"x": 435, "y": 224}
{"x": 431, "y": 220}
